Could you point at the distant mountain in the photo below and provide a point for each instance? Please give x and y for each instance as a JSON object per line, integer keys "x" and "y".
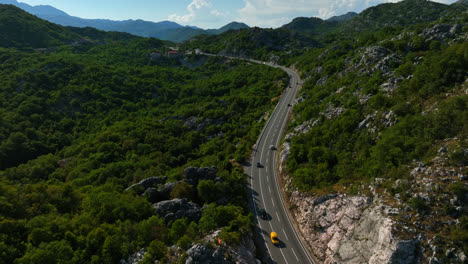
{"x": 21, "y": 29}
{"x": 230, "y": 26}
{"x": 186, "y": 33}
{"x": 165, "y": 30}
{"x": 35, "y": 10}
{"x": 404, "y": 13}
{"x": 343, "y": 18}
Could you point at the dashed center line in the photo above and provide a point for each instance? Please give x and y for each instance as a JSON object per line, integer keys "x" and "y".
{"x": 285, "y": 235}
{"x": 277, "y": 216}
{"x": 295, "y": 254}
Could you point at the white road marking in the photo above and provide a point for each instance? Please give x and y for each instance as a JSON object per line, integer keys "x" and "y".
{"x": 273, "y": 202}
{"x": 269, "y": 188}
{"x": 285, "y": 234}
{"x": 281, "y": 104}
{"x": 295, "y": 254}
{"x": 278, "y": 217}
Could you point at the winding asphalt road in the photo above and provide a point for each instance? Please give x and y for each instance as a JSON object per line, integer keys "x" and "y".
{"x": 264, "y": 186}
{"x": 263, "y": 183}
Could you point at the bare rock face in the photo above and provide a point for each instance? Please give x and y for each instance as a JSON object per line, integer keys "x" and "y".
{"x": 373, "y": 59}
{"x": 199, "y": 253}
{"x": 441, "y": 32}
{"x": 177, "y": 209}
{"x": 284, "y": 154}
{"x": 194, "y": 174}
{"x": 350, "y": 229}
{"x": 239, "y": 254}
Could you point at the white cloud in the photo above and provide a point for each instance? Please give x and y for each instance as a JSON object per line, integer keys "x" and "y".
{"x": 275, "y": 13}
{"x": 194, "y": 8}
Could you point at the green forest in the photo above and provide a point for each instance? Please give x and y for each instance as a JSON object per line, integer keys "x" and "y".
{"x": 87, "y": 116}
{"x": 382, "y": 92}
{"x": 82, "y": 121}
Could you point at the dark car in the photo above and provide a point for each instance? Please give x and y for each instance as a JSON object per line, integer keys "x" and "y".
{"x": 263, "y": 214}
{"x": 259, "y": 165}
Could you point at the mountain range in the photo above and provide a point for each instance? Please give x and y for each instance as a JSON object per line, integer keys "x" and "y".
{"x": 164, "y": 30}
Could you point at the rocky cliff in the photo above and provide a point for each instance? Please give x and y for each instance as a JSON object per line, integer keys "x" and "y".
{"x": 350, "y": 229}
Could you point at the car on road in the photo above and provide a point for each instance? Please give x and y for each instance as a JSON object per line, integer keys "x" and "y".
{"x": 272, "y": 147}
{"x": 263, "y": 214}
{"x": 258, "y": 164}
{"x": 274, "y": 238}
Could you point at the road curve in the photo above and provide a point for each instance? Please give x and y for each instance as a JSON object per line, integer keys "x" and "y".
{"x": 264, "y": 189}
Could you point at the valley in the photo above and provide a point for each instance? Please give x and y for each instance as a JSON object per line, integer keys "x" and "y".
{"x": 349, "y": 132}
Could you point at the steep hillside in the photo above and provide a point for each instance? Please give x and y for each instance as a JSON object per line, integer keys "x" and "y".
{"x": 108, "y": 154}
{"x": 379, "y": 142}
{"x": 165, "y": 30}
{"x": 313, "y": 25}
{"x": 404, "y": 13}
{"x": 23, "y": 30}
{"x": 343, "y": 18}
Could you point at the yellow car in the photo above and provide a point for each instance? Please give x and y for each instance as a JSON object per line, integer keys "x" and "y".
{"x": 274, "y": 238}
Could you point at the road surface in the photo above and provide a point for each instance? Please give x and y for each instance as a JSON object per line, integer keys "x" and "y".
{"x": 264, "y": 186}
{"x": 263, "y": 183}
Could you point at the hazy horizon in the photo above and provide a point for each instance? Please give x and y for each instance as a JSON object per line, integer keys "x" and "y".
{"x": 211, "y": 13}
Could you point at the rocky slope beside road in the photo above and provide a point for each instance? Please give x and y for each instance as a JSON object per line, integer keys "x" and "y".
{"x": 350, "y": 229}
{"x": 416, "y": 216}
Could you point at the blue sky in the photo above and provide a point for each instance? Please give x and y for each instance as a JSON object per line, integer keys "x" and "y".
{"x": 211, "y": 13}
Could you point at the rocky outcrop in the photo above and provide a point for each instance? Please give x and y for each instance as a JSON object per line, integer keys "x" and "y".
{"x": 245, "y": 252}
{"x": 199, "y": 253}
{"x": 135, "y": 258}
{"x": 377, "y": 121}
{"x": 441, "y": 32}
{"x": 194, "y": 174}
{"x": 376, "y": 58}
{"x": 200, "y": 125}
{"x": 177, "y": 209}
{"x": 146, "y": 183}
{"x": 332, "y": 112}
{"x": 154, "y": 195}
{"x": 350, "y": 229}
{"x": 284, "y": 154}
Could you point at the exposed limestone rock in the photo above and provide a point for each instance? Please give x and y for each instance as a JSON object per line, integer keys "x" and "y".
{"x": 240, "y": 254}
{"x": 199, "y": 124}
{"x": 135, "y": 258}
{"x": 306, "y": 126}
{"x": 350, "y": 229}
{"x": 378, "y": 120}
{"x": 194, "y": 174}
{"x": 176, "y": 209}
{"x": 284, "y": 154}
{"x": 199, "y": 253}
{"x": 333, "y": 112}
{"x": 391, "y": 85}
{"x": 154, "y": 195}
{"x": 441, "y": 32}
{"x": 146, "y": 183}
{"x": 374, "y": 59}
